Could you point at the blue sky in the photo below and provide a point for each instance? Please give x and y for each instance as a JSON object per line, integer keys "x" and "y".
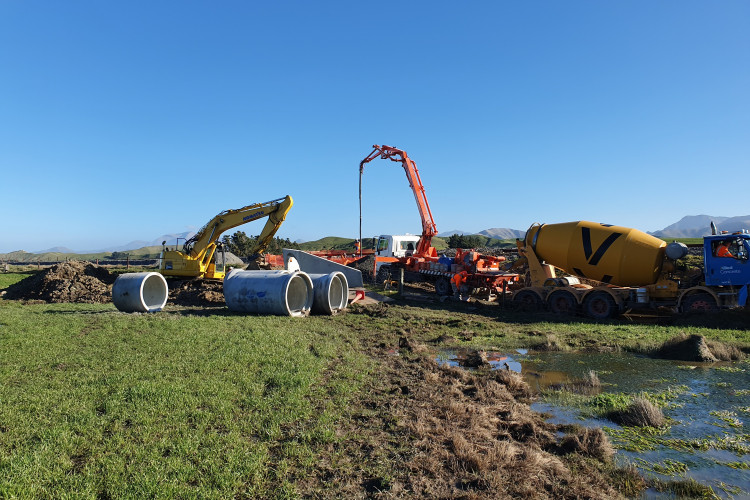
{"x": 129, "y": 120}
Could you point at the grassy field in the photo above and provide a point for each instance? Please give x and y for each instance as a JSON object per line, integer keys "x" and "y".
{"x": 97, "y": 402}
{"x": 207, "y": 403}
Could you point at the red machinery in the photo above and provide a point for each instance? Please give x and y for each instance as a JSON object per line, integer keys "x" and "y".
{"x": 423, "y": 264}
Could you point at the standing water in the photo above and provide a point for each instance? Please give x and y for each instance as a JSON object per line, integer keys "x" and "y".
{"x": 707, "y": 406}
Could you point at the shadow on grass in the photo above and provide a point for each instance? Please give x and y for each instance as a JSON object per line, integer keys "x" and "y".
{"x": 731, "y": 319}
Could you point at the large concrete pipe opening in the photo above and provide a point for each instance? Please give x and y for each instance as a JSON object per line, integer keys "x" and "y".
{"x": 331, "y": 293}
{"x": 140, "y": 292}
{"x": 282, "y": 293}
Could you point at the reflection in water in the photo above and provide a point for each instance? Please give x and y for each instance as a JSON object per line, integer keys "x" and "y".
{"x": 710, "y": 431}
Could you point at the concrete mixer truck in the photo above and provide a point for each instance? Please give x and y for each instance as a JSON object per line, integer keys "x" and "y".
{"x": 607, "y": 270}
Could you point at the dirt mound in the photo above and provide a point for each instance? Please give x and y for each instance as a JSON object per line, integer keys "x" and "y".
{"x": 198, "y": 292}
{"x": 365, "y": 265}
{"x": 72, "y": 281}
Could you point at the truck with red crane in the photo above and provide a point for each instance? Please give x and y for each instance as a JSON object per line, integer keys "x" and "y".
{"x": 416, "y": 256}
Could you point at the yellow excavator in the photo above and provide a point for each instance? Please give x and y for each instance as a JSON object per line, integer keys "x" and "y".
{"x": 196, "y": 259}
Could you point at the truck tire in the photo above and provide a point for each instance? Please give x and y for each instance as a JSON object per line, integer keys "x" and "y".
{"x": 599, "y": 305}
{"x": 562, "y": 302}
{"x": 443, "y": 286}
{"x": 526, "y": 300}
{"x": 699, "y": 302}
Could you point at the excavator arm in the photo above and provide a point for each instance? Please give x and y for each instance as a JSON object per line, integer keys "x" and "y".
{"x": 196, "y": 259}
{"x": 415, "y": 182}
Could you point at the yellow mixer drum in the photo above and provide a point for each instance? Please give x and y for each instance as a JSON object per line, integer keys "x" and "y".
{"x": 612, "y": 254}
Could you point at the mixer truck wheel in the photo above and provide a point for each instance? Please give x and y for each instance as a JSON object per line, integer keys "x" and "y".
{"x": 600, "y": 305}
{"x": 526, "y": 300}
{"x": 562, "y": 302}
{"x": 699, "y": 302}
{"x": 443, "y": 286}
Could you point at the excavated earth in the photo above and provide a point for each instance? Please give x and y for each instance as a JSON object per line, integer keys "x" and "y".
{"x": 72, "y": 281}
{"x": 83, "y": 282}
{"x": 205, "y": 293}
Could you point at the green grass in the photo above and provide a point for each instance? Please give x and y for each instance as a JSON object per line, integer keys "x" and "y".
{"x": 96, "y": 402}
{"x": 7, "y": 279}
{"x": 190, "y": 403}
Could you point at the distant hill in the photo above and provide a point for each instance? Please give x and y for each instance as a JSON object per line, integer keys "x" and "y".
{"x": 697, "y": 226}
{"x": 503, "y": 233}
{"x": 337, "y": 243}
{"x": 156, "y": 242}
{"x": 448, "y": 234}
{"x": 56, "y": 250}
{"x": 498, "y": 233}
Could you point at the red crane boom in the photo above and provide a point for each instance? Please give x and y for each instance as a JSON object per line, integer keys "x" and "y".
{"x": 415, "y": 182}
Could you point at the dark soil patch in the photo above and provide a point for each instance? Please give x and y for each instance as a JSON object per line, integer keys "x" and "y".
{"x": 365, "y": 265}
{"x": 199, "y": 292}
{"x": 72, "y": 281}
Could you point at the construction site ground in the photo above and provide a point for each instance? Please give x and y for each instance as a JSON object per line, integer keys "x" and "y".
{"x": 411, "y": 428}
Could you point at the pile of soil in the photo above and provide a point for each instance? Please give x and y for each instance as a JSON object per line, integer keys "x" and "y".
{"x": 199, "y": 292}
{"x": 72, "y": 281}
{"x": 365, "y": 265}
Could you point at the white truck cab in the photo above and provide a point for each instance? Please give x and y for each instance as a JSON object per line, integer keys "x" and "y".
{"x": 401, "y": 245}
{"x": 395, "y": 245}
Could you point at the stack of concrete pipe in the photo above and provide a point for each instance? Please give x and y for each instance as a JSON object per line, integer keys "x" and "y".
{"x": 290, "y": 292}
{"x": 285, "y": 293}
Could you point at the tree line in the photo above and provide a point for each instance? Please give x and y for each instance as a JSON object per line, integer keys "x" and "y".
{"x": 242, "y": 245}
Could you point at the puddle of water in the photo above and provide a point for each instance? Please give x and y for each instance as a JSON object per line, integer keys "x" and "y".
{"x": 709, "y": 439}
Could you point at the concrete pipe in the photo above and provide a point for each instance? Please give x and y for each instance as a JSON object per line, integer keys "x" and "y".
{"x": 283, "y": 293}
{"x": 331, "y": 293}
{"x": 140, "y": 292}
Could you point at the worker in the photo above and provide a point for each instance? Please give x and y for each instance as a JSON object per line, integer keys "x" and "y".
{"x": 723, "y": 250}
{"x": 357, "y": 247}
{"x": 459, "y": 284}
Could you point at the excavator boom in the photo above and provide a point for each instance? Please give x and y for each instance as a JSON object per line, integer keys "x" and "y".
{"x": 415, "y": 182}
{"x": 197, "y": 256}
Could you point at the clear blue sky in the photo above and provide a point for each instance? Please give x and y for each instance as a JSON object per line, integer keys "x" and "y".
{"x": 128, "y": 120}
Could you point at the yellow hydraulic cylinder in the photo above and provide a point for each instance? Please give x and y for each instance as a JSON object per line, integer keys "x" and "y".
{"x": 613, "y": 254}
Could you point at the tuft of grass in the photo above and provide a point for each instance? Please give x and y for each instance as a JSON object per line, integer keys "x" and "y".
{"x": 684, "y": 488}
{"x": 639, "y": 413}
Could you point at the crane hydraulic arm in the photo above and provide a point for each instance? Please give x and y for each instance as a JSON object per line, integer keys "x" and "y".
{"x": 197, "y": 256}
{"x": 415, "y": 182}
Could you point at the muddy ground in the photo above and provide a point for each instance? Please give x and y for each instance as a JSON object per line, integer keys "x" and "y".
{"x": 442, "y": 432}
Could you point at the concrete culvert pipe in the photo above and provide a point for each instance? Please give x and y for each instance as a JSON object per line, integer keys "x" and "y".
{"x": 140, "y": 292}
{"x": 283, "y": 293}
{"x": 331, "y": 293}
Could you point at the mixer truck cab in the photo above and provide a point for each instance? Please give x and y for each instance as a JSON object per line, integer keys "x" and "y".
{"x": 727, "y": 271}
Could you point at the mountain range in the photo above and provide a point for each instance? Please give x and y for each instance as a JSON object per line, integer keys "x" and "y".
{"x": 697, "y": 226}
{"x": 169, "y": 238}
{"x": 690, "y": 226}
